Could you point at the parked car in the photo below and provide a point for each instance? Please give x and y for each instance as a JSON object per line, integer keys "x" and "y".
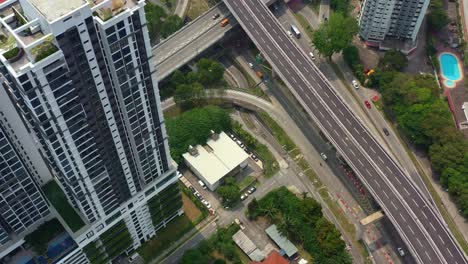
{"x": 251, "y": 65}
{"x": 231, "y": 135}
{"x": 252, "y": 190}
{"x": 401, "y": 251}
{"x": 247, "y": 151}
{"x": 289, "y": 34}
{"x": 254, "y": 157}
{"x": 324, "y": 157}
{"x": 192, "y": 189}
{"x": 368, "y": 105}
{"x": 243, "y": 197}
{"x": 355, "y": 84}
{"x": 198, "y": 195}
{"x": 202, "y": 184}
{"x": 239, "y": 223}
{"x": 215, "y": 16}
{"x": 385, "y": 130}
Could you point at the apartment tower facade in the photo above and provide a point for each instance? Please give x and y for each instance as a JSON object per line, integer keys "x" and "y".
{"x": 80, "y": 74}
{"x": 391, "y": 19}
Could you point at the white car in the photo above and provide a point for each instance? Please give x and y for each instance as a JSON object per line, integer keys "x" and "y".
{"x": 312, "y": 55}
{"x": 290, "y": 34}
{"x": 401, "y": 252}
{"x": 355, "y": 84}
{"x": 324, "y": 157}
{"x": 251, "y": 65}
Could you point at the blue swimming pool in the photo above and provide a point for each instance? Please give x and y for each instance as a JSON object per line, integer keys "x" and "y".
{"x": 450, "y": 69}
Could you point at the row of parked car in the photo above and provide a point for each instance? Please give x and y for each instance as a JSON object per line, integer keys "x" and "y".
{"x": 248, "y": 192}
{"x": 242, "y": 145}
{"x": 200, "y": 197}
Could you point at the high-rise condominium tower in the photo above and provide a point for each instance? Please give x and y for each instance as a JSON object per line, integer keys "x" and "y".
{"x": 391, "y": 19}
{"x": 80, "y": 73}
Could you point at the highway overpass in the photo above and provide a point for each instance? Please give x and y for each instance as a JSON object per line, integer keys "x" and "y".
{"x": 191, "y": 40}
{"x": 415, "y": 218}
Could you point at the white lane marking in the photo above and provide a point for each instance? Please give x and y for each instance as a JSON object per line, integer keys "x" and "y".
{"x": 396, "y": 178}
{"x": 274, "y": 55}
{"x": 347, "y": 120}
{"x": 419, "y": 241}
{"x": 402, "y": 217}
{"x": 394, "y": 206}
{"x": 320, "y": 112}
{"x": 441, "y": 240}
{"x": 368, "y": 172}
{"x": 411, "y": 229}
{"x": 356, "y": 130}
{"x": 307, "y": 95}
{"x": 373, "y": 150}
{"x": 406, "y": 191}
{"x": 450, "y": 252}
{"x": 380, "y": 159}
{"x": 360, "y": 162}
{"x": 306, "y": 69}
{"x": 364, "y": 139}
{"x": 337, "y": 133}
{"x": 427, "y": 254}
{"x": 425, "y": 216}
{"x": 286, "y": 69}
{"x": 294, "y": 79}
{"x": 415, "y": 203}
{"x": 341, "y": 112}
{"x": 256, "y": 31}
{"x": 432, "y": 226}
{"x": 329, "y": 124}
{"x": 352, "y": 152}
{"x": 385, "y": 193}
{"x": 377, "y": 183}
{"x": 313, "y": 103}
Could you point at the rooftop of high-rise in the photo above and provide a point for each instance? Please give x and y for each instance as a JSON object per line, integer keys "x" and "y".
{"x": 53, "y": 10}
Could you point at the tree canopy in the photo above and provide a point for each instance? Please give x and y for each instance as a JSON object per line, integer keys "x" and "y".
{"x": 335, "y": 34}
{"x": 437, "y": 17}
{"x": 302, "y": 222}
{"x": 416, "y": 104}
{"x": 159, "y": 23}
{"x": 229, "y": 192}
{"x": 393, "y": 60}
{"x": 193, "y": 127}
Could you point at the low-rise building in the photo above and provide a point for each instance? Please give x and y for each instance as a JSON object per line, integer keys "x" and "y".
{"x": 287, "y": 248}
{"x": 220, "y": 157}
{"x": 246, "y": 245}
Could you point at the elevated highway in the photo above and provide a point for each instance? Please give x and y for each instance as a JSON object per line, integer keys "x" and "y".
{"x": 414, "y": 217}
{"x": 192, "y": 39}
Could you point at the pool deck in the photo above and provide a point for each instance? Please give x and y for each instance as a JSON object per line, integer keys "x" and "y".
{"x": 449, "y": 83}
{"x": 456, "y": 95}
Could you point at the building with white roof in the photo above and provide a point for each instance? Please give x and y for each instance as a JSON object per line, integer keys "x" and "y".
{"x": 220, "y": 157}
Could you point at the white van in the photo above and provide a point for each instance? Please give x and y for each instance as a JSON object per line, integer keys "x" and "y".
{"x": 202, "y": 184}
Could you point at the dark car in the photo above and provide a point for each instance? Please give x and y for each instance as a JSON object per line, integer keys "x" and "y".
{"x": 215, "y": 16}
{"x": 252, "y": 190}
{"x": 385, "y": 130}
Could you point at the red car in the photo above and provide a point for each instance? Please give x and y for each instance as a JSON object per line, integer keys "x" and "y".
{"x": 368, "y": 105}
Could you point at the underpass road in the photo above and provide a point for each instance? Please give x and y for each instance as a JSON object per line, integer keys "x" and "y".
{"x": 416, "y": 220}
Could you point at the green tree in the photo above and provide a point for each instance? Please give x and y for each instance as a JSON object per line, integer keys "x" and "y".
{"x": 393, "y": 60}
{"x": 351, "y": 55}
{"x": 154, "y": 18}
{"x": 340, "y": 6}
{"x": 187, "y": 95}
{"x": 438, "y": 19}
{"x": 171, "y": 24}
{"x": 229, "y": 192}
{"x": 335, "y": 35}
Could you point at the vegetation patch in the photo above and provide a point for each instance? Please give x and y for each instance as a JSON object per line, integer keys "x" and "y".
{"x": 165, "y": 238}
{"x": 270, "y": 165}
{"x": 58, "y": 199}
{"x": 43, "y": 50}
{"x": 11, "y": 53}
{"x": 193, "y": 128}
{"x": 220, "y": 245}
{"x": 302, "y": 221}
{"x": 159, "y": 23}
{"x": 40, "y": 238}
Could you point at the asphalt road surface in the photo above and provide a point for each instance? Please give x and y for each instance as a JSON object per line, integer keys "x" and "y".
{"x": 420, "y": 226}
